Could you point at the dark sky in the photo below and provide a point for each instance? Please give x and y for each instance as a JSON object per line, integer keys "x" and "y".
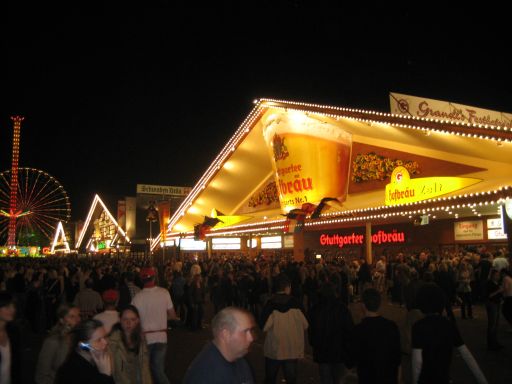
{"x": 116, "y": 94}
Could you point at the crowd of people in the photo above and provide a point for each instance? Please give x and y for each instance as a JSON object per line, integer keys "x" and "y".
{"x": 105, "y": 320}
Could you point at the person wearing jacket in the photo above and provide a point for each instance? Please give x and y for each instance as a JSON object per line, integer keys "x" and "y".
{"x": 56, "y": 345}
{"x": 130, "y": 358}
{"x": 284, "y": 323}
{"x": 89, "y": 360}
{"x": 330, "y": 325}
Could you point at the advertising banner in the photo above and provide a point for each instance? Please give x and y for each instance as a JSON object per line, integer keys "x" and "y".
{"x": 403, "y": 189}
{"x": 496, "y": 234}
{"x": 495, "y": 229}
{"x": 166, "y": 190}
{"x": 310, "y": 158}
{"x": 495, "y": 223}
{"x": 121, "y": 213}
{"x": 436, "y": 109}
{"x": 164, "y": 213}
{"x": 131, "y": 210}
{"x": 468, "y": 230}
{"x": 358, "y": 239}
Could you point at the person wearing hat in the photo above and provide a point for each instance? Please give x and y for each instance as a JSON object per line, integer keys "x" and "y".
{"x": 110, "y": 315}
{"x": 155, "y": 308}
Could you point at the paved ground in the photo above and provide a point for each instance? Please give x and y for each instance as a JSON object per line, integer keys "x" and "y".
{"x": 184, "y": 345}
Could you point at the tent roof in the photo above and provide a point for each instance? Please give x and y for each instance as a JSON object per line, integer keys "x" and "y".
{"x": 243, "y": 166}
{"x": 97, "y": 208}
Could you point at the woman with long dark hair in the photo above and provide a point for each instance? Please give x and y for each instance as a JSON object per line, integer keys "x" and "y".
{"x": 130, "y": 356}
{"x": 89, "y": 360}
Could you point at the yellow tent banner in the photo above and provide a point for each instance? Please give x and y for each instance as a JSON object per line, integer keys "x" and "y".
{"x": 403, "y": 189}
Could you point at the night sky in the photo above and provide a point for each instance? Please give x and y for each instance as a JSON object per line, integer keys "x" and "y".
{"x": 116, "y": 95}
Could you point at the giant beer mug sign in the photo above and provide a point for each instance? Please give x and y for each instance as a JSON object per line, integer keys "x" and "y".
{"x": 310, "y": 158}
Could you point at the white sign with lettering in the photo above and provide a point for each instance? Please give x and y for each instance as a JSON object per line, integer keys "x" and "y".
{"x": 494, "y": 223}
{"x": 496, "y": 234}
{"x": 444, "y": 110}
{"x": 192, "y": 245}
{"x": 468, "y": 230}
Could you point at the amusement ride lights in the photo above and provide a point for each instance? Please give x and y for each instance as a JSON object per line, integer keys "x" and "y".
{"x": 13, "y": 215}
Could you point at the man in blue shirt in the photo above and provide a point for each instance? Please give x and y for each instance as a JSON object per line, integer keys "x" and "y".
{"x": 222, "y": 360}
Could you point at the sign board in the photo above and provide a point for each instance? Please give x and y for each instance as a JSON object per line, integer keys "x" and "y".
{"x": 288, "y": 241}
{"x": 468, "y": 230}
{"x": 496, "y": 234}
{"x": 252, "y": 243}
{"x": 494, "y": 223}
{"x": 495, "y": 229}
{"x": 165, "y": 190}
{"x": 436, "y": 109}
{"x": 403, "y": 189}
{"x": 271, "y": 242}
{"x": 192, "y": 245}
{"x": 168, "y": 243}
{"x": 379, "y": 237}
{"x": 226, "y": 243}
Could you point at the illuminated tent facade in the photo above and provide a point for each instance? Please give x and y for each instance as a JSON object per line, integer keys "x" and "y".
{"x": 101, "y": 232}
{"x": 241, "y": 179}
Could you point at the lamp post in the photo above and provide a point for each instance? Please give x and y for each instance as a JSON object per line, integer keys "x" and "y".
{"x": 164, "y": 210}
{"x": 152, "y": 216}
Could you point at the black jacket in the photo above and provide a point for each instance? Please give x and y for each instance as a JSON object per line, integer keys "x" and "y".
{"x": 77, "y": 370}
{"x": 330, "y": 325}
{"x": 280, "y": 302}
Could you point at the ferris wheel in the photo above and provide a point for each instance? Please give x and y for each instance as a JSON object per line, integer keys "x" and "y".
{"x": 41, "y": 203}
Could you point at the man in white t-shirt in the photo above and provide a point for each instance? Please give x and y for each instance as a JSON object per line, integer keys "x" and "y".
{"x": 500, "y": 262}
{"x": 109, "y": 317}
{"x": 155, "y": 308}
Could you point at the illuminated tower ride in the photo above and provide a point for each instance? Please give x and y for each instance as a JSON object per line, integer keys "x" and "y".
{"x": 11, "y": 238}
{"x": 32, "y": 202}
